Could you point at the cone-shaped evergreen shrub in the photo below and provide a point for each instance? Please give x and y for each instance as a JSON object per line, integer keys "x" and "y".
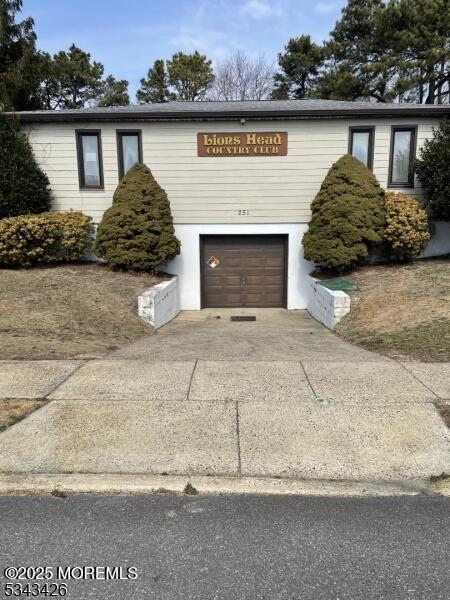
{"x": 137, "y": 231}
{"x": 348, "y": 216}
{"x": 24, "y": 188}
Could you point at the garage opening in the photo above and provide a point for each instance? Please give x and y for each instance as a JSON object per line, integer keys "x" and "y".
{"x": 244, "y": 271}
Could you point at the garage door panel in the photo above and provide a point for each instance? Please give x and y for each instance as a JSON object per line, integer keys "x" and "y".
{"x": 269, "y": 279}
{"x": 256, "y": 262}
{"x": 231, "y": 281}
{"x": 230, "y": 262}
{"x": 264, "y": 263}
{"x": 276, "y": 262}
{"x": 267, "y": 300}
{"x": 251, "y": 271}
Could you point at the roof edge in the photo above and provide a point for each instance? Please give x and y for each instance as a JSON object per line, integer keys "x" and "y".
{"x": 86, "y": 115}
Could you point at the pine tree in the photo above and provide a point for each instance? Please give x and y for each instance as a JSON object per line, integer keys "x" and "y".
{"x": 299, "y": 69}
{"x": 19, "y": 70}
{"x": 77, "y": 79}
{"x": 191, "y": 75}
{"x": 358, "y": 64}
{"x": 417, "y": 34}
{"x": 114, "y": 92}
{"x": 137, "y": 231}
{"x": 155, "y": 88}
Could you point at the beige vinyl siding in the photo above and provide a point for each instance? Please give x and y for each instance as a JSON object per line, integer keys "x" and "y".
{"x": 214, "y": 189}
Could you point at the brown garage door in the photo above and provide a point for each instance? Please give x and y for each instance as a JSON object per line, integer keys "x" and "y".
{"x": 243, "y": 271}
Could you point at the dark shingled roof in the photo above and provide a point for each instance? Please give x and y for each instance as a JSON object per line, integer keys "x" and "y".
{"x": 258, "y": 109}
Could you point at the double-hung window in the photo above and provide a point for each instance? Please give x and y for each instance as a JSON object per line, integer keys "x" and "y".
{"x": 129, "y": 149}
{"x": 89, "y": 150}
{"x": 403, "y": 152}
{"x": 360, "y": 144}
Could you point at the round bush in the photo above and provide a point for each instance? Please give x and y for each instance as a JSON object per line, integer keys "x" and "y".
{"x": 406, "y": 233}
{"x": 137, "y": 231}
{"x": 24, "y": 187}
{"x": 47, "y": 238}
{"x": 348, "y": 216}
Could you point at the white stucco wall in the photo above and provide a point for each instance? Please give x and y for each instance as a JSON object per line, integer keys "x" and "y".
{"x": 187, "y": 265}
{"x": 440, "y": 240}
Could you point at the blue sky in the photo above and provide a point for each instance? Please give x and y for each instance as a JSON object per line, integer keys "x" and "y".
{"x": 128, "y": 35}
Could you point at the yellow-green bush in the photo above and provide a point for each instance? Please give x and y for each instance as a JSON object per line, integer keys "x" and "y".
{"x": 406, "y": 233}
{"x": 44, "y": 239}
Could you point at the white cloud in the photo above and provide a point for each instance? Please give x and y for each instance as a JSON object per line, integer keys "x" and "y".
{"x": 325, "y": 8}
{"x": 214, "y": 45}
{"x": 257, "y": 9}
{"x": 203, "y": 29}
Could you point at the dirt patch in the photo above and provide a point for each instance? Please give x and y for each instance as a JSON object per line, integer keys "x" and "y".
{"x": 12, "y": 411}
{"x": 71, "y": 311}
{"x": 401, "y": 311}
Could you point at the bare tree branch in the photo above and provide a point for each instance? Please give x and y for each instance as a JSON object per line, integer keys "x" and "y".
{"x": 239, "y": 77}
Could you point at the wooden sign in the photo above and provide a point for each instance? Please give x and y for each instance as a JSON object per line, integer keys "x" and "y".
{"x": 260, "y": 143}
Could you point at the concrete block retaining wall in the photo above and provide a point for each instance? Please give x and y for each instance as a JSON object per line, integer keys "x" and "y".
{"x": 160, "y": 304}
{"x": 326, "y": 306}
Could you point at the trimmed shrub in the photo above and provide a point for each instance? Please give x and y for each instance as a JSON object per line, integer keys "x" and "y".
{"x": 348, "y": 216}
{"x": 47, "y": 238}
{"x": 433, "y": 170}
{"x": 137, "y": 231}
{"x": 406, "y": 233}
{"x": 24, "y": 187}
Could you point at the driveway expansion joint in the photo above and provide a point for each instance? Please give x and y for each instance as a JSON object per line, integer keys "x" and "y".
{"x": 308, "y": 379}
{"x": 191, "y": 379}
{"x": 52, "y": 391}
{"x": 238, "y": 440}
{"x": 417, "y": 379}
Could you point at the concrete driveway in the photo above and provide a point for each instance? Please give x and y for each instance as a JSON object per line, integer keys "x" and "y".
{"x": 278, "y": 397}
{"x": 275, "y": 335}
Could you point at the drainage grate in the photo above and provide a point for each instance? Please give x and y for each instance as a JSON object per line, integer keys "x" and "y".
{"x": 322, "y": 401}
{"x": 242, "y": 318}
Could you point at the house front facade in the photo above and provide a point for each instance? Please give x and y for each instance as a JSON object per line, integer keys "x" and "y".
{"x": 240, "y": 177}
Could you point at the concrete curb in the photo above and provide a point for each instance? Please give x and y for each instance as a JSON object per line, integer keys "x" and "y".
{"x": 122, "y": 484}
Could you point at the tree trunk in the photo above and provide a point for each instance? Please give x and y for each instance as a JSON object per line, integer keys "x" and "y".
{"x": 441, "y": 83}
{"x": 431, "y": 92}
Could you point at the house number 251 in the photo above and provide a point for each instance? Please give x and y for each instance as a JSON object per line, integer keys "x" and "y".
{"x": 243, "y": 212}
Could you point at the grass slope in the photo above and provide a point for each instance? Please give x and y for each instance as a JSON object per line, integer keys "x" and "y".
{"x": 401, "y": 311}
{"x": 70, "y": 311}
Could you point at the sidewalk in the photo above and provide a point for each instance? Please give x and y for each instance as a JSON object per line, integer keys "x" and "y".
{"x": 328, "y": 413}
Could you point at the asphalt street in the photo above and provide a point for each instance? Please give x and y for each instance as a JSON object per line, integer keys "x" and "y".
{"x": 231, "y": 547}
